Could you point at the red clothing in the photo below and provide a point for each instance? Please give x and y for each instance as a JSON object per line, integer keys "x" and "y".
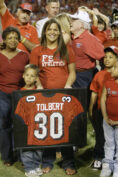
{"x": 112, "y": 99}
{"x": 48, "y": 117}
{"x": 101, "y": 35}
{"x": 11, "y": 71}
{"x": 87, "y": 49}
{"x": 23, "y": 88}
{"x": 53, "y": 70}
{"x": 111, "y": 42}
{"x": 98, "y": 81}
{"x": 27, "y": 31}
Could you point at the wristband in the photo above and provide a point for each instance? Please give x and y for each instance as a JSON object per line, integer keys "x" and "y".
{"x": 24, "y": 39}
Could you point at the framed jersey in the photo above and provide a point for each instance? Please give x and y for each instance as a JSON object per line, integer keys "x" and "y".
{"x": 49, "y": 118}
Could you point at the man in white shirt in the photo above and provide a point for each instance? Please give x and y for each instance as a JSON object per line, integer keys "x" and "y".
{"x": 52, "y": 8}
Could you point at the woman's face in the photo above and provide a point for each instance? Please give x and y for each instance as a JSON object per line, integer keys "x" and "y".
{"x": 11, "y": 40}
{"x": 52, "y": 33}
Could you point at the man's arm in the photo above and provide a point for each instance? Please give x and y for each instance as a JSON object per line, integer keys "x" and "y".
{"x": 28, "y": 44}
{"x": 3, "y": 7}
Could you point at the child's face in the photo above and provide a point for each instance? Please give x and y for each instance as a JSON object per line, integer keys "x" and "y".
{"x": 109, "y": 60}
{"x": 100, "y": 27}
{"x": 115, "y": 70}
{"x": 30, "y": 77}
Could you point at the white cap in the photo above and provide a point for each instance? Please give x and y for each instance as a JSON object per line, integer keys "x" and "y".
{"x": 82, "y": 15}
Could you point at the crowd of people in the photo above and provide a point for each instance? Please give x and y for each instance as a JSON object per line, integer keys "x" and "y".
{"x": 67, "y": 48}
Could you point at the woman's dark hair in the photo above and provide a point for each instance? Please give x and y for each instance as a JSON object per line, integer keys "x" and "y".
{"x": 61, "y": 47}
{"x": 9, "y": 30}
{"x": 101, "y": 21}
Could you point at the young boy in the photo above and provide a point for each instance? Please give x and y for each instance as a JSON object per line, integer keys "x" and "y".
{"x": 31, "y": 159}
{"x": 109, "y": 102}
{"x": 30, "y": 77}
{"x": 96, "y": 118}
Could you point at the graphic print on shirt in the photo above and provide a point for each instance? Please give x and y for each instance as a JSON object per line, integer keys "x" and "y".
{"x": 49, "y": 60}
{"x": 48, "y": 118}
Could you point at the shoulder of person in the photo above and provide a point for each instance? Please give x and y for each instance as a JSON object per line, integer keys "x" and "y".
{"x": 43, "y": 20}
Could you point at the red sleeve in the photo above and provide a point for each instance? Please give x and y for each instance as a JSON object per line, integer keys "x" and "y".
{"x": 7, "y": 19}
{"x": 20, "y": 110}
{"x": 71, "y": 54}
{"x": 34, "y": 56}
{"x": 94, "y": 84}
{"x": 94, "y": 29}
{"x": 34, "y": 36}
{"x": 94, "y": 48}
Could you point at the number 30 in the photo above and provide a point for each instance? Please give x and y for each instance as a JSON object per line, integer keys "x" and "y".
{"x": 44, "y": 133}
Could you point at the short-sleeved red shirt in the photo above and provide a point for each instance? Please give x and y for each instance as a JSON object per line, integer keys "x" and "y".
{"x": 98, "y": 81}
{"x": 53, "y": 70}
{"x": 87, "y": 49}
{"x": 11, "y": 71}
{"x": 27, "y": 31}
{"x": 112, "y": 99}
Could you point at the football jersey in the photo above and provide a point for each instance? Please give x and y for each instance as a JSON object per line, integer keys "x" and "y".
{"x": 48, "y": 117}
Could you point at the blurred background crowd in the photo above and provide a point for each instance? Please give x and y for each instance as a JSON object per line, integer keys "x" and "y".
{"x": 107, "y": 7}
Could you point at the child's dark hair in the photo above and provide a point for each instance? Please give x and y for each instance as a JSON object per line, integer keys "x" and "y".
{"x": 101, "y": 21}
{"x": 32, "y": 66}
{"x": 9, "y": 30}
{"x": 110, "y": 50}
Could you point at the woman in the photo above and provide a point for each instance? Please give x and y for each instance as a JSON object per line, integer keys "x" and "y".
{"x": 57, "y": 70}
{"x": 12, "y": 62}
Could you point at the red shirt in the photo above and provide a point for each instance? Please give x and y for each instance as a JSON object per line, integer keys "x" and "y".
{"x": 87, "y": 49}
{"x": 98, "y": 81}
{"x": 111, "y": 42}
{"x": 27, "y": 31}
{"x": 112, "y": 99}
{"x": 53, "y": 70}
{"x": 23, "y": 88}
{"x": 101, "y": 35}
{"x": 11, "y": 71}
{"x": 48, "y": 118}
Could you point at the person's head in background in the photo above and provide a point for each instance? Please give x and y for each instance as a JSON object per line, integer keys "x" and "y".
{"x": 23, "y": 13}
{"x": 80, "y": 21}
{"x": 11, "y": 37}
{"x": 111, "y": 57}
{"x": 64, "y": 22}
{"x": 30, "y": 75}
{"x": 52, "y": 8}
{"x": 52, "y": 38}
{"x": 114, "y": 27}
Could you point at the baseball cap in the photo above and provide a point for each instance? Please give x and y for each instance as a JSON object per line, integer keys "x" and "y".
{"x": 113, "y": 49}
{"x": 26, "y": 6}
{"x": 115, "y": 23}
{"x": 82, "y": 15}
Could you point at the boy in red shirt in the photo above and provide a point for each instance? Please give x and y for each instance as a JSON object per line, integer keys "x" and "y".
{"x": 95, "y": 115}
{"x": 109, "y": 101}
{"x": 31, "y": 159}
